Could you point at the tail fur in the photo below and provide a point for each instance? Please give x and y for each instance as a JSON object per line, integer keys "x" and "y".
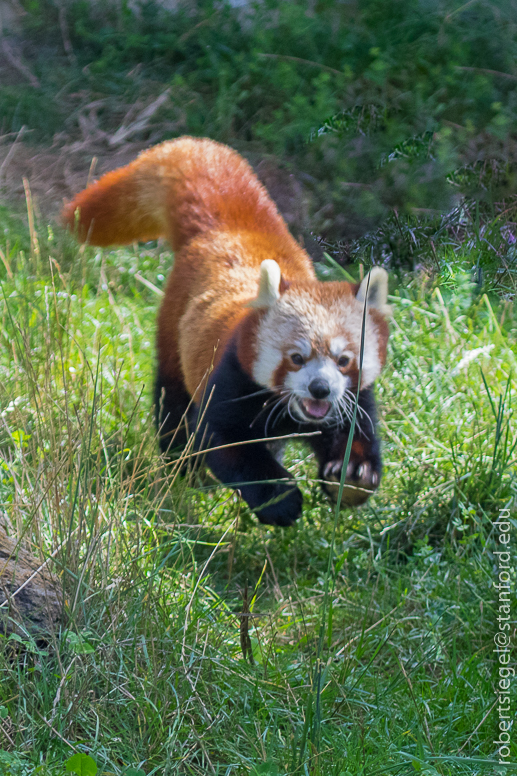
{"x": 177, "y": 190}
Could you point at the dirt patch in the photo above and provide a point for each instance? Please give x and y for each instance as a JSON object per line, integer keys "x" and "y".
{"x": 55, "y": 174}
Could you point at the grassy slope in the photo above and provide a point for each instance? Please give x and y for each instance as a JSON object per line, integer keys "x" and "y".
{"x": 150, "y": 671}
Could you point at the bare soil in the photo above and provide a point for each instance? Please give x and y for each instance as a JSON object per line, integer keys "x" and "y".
{"x": 58, "y": 172}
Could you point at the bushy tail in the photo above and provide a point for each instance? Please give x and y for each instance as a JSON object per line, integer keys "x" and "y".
{"x": 178, "y": 189}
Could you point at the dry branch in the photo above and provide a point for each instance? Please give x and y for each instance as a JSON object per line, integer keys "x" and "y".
{"x": 15, "y": 61}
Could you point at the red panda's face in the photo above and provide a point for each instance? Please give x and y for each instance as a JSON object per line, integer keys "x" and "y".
{"x": 308, "y": 346}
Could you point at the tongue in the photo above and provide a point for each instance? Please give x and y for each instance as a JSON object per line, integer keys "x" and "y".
{"x": 316, "y": 408}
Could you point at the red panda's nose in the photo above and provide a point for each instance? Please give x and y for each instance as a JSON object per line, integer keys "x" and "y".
{"x": 319, "y": 388}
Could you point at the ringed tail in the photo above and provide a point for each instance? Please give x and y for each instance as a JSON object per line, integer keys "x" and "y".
{"x": 178, "y": 190}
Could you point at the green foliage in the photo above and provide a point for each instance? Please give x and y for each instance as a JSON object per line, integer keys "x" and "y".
{"x": 79, "y": 645}
{"x": 81, "y": 764}
{"x": 265, "y": 769}
{"x": 464, "y": 245}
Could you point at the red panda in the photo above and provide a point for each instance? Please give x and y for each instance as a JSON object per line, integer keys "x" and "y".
{"x": 245, "y": 322}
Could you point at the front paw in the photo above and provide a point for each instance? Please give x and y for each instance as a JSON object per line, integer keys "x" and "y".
{"x": 362, "y": 479}
{"x": 275, "y": 504}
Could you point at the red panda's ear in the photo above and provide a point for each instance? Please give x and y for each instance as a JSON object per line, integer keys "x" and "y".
{"x": 269, "y": 285}
{"x": 374, "y": 288}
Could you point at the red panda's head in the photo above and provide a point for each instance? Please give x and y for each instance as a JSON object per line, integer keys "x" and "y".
{"x": 308, "y": 341}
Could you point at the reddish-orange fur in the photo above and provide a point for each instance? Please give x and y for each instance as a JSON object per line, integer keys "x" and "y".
{"x": 221, "y": 223}
{"x": 243, "y": 298}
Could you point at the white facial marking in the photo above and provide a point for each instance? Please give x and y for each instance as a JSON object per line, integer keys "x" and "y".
{"x": 267, "y": 362}
{"x": 297, "y": 322}
{"x": 337, "y": 346}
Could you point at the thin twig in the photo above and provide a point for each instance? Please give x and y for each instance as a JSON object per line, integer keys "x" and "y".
{"x": 459, "y": 10}
{"x": 6, "y": 734}
{"x": 478, "y": 726}
{"x": 56, "y": 732}
{"x": 486, "y": 71}
{"x": 60, "y": 687}
{"x": 412, "y": 693}
{"x": 16, "y": 62}
{"x": 244, "y": 618}
{"x": 150, "y": 286}
{"x": 6, "y": 264}
{"x": 30, "y": 216}
{"x": 363, "y": 633}
{"x": 286, "y": 58}
{"x": 91, "y": 171}
{"x": 65, "y": 35}
{"x": 252, "y": 442}
{"x": 141, "y": 121}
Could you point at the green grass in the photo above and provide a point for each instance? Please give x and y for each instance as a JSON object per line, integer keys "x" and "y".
{"x": 150, "y": 669}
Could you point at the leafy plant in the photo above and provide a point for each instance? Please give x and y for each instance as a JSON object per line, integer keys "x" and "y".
{"x": 81, "y": 764}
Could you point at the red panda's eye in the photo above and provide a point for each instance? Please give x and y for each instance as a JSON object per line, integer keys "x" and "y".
{"x": 297, "y": 359}
{"x": 343, "y": 361}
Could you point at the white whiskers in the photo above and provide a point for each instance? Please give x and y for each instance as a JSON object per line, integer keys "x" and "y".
{"x": 284, "y": 402}
{"x": 280, "y": 402}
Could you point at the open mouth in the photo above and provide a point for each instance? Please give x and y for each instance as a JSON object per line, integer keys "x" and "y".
{"x": 316, "y": 409}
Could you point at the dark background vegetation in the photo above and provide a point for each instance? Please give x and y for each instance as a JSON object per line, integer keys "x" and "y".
{"x": 356, "y": 114}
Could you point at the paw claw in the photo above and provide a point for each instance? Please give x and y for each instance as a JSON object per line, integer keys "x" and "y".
{"x": 361, "y": 480}
{"x": 364, "y": 473}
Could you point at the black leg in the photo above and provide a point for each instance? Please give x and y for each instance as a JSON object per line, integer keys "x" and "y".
{"x": 172, "y": 419}
{"x": 249, "y": 468}
{"x": 236, "y": 413}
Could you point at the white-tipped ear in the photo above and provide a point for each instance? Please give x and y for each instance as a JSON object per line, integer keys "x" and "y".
{"x": 376, "y": 281}
{"x": 269, "y": 284}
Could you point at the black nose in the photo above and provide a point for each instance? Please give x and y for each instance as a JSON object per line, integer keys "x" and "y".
{"x": 319, "y": 388}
